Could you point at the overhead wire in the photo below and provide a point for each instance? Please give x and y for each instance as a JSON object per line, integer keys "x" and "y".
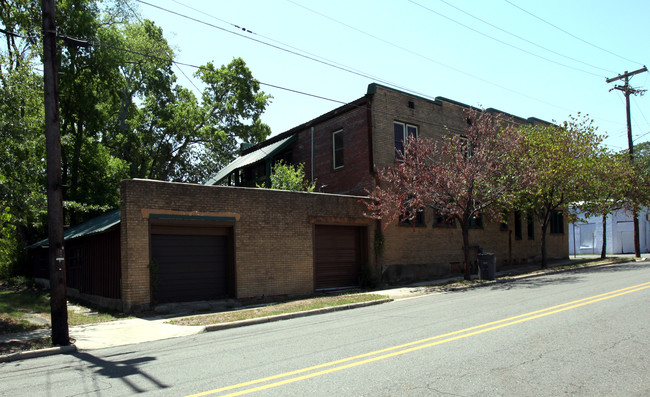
{"x": 571, "y": 34}
{"x": 536, "y": 99}
{"x": 329, "y": 63}
{"x": 374, "y": 78}
{"x": 501, "y": 41}
{"x": 523, "y": 39}
{"x": 332, "y": 64}
{"x": 268, "y": 84}
{"x": 86, "y": 43}
{"x": 137, "y": 16}
{"x": 312, "y": 58}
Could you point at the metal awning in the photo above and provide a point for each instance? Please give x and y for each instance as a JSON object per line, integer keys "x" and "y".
{"x": 258, "y": 155}
{"x": 92, "y": 226}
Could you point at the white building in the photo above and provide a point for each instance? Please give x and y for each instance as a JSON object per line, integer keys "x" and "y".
{"x": 586, "y": 237}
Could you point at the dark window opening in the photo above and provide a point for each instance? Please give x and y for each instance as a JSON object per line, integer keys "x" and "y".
{"x": 503, "y": 225}
{"x": 253, "y": 175}
{"x": 337, "y": 149}
{"x": 557, "y": 222}
{"x": 417, "y": 221}
{"x": 531, "y": 227}
{"x": 402, "y": 133}
{"x": 443, "y": 221}
{"x": 476, "y": 222}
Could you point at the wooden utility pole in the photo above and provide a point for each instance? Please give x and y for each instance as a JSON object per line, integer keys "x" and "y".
{"x": 627, "y": 90}
{"x": 58, "y": 302}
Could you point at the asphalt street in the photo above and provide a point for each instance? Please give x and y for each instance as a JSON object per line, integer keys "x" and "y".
{"x": 582, "y": 332}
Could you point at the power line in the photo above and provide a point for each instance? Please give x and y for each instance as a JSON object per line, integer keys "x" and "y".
{"x": 536, "y": 99}
{"x": 362, "y": 74}
{"x": 524, "y": 39}
{"x": 501, "y": 41}
{"x": 570, "y": 34}
{"x": 312, "y": 58}
{"x": 344, "y": 67}
{"x": 86, "y": 43}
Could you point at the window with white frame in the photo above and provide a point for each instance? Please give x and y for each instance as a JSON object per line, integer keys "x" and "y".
{"x": 402, "y": 133}
{"x": 337, "y": 149}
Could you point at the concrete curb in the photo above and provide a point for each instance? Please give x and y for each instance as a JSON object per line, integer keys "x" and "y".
{"x": 421, "y": 290}
{"x": 280, "y": 317}
{"x": 38, "y": 353}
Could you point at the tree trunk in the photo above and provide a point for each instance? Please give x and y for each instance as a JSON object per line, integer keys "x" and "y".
{"x": 545, "y": 223}
{"x": 603, "y": 251}
{"x": 466, "y": 248}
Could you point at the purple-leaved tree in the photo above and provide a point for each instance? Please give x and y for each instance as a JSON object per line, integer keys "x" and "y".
{"x": 462, "y": 177}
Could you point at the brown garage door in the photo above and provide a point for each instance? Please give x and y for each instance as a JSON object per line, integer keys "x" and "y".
{"x": 338, "y": 256}
{"x": 189, "y": 267}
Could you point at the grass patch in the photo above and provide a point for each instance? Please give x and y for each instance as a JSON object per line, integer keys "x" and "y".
{"x": 21, "y": 346}
{"x": 21, "y": 303}
{"x": 295, "y": 306}
{"x": 16, "y": 303}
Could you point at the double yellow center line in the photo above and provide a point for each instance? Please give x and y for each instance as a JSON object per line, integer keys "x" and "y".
{"x": 349, "y": 362}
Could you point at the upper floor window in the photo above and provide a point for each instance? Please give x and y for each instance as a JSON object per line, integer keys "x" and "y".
{"x": 337, "y": 149}
{"x": 402, "y": 132}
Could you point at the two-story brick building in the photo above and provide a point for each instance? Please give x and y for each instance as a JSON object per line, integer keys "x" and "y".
{"x": 180, "y": 242}
{"x": 342, "y": 149}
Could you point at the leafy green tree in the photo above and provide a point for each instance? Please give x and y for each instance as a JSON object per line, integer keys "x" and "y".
{"x": 123, "y": 114}
{"x": 22, "y": 147}
{"x": 290, "y": 177}
{"x": 609, "y": 190}
{"x": 640, "y": 186}
{"x": 561, "y": 161}
{"x": 177, "y": 138}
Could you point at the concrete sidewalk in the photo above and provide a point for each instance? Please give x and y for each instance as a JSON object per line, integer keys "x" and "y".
{"x": 138, "y": 330}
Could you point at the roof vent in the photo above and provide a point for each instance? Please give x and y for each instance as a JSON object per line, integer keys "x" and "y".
{"x": 411, "y": 105}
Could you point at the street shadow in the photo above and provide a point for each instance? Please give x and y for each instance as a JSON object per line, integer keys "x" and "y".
{"x": 567, "y": 276}
{"x": 534, "y": 282}
{"x": 614, "y": 268}
{"x": 121, "y": 370}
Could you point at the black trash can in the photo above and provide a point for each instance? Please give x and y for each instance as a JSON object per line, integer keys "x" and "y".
{"x": 487, "y": 266}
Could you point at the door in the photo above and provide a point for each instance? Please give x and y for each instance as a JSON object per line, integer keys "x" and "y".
{"x": 338, "y": 256}
{"x": 189, "y": 267}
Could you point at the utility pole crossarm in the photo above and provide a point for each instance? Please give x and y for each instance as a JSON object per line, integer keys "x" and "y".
{"x": 627, "y": 75}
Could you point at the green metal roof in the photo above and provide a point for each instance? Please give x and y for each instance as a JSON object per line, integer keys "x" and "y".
{"x": 260, "y": 154}
{"x": 92, "y": 226}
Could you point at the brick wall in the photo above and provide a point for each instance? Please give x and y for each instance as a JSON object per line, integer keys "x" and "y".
{"x": 437, "y": 251}
{"x": 273, "y": 232}
{"x": 389, "y": 106}
{"x": 354, "y": 177}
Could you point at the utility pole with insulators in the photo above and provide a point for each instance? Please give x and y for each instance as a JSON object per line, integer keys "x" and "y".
{"x": 58, "y": 292}
{"x": 627, "y": 91}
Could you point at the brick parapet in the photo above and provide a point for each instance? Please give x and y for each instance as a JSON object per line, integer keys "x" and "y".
{"x": 273, "y": 233}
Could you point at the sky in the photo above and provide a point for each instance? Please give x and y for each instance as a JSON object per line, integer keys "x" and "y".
{"x": 545, "y": 59}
